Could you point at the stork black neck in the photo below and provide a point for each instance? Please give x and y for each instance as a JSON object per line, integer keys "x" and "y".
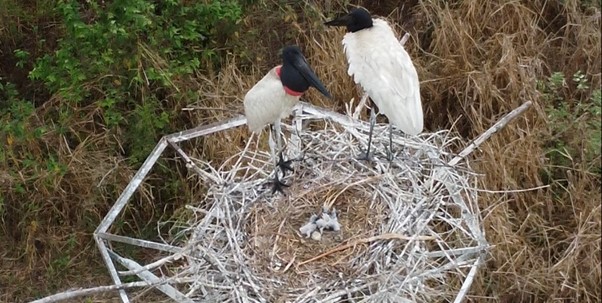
{"x": 288, "y": 81}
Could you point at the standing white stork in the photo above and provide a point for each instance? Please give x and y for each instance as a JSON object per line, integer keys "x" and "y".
{"x": 274, "y": 96}
{"x": 379, "y": 63}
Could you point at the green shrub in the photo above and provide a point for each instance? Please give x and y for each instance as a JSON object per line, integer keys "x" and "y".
{"x": 573, "y": 111}
{"x": 126, "y": 57}
{"x": 117, "y": 78}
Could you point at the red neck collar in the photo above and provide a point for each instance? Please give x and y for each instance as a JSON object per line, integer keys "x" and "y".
{"x": 286, "y": 89}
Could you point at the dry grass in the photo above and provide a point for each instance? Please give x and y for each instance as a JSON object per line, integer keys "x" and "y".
{"x": 477, "y": 60}
{"x": 403, "y": 233}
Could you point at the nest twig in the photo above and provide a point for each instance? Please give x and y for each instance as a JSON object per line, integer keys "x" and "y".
{"x": 406, "y": 230}
{"x": 410, "y": 227}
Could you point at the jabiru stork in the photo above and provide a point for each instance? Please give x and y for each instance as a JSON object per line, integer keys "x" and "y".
{"x": 273, "y": 97}
{"x": 382, "y": 67}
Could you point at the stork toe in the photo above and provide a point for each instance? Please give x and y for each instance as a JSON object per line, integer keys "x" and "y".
{"x": 284, "y": 165}
{"x": 277, "y": 185}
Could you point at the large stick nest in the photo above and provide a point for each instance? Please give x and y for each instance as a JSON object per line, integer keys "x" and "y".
{"x": 410, "y": 228}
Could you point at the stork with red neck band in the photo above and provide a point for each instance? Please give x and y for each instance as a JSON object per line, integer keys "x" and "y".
{"x": 286, "y": 88}
{"x": 275, "y": 95}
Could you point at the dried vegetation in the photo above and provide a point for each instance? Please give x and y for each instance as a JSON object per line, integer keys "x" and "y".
{"x": 477, "y": 61}
{"x": 408, "y": 229}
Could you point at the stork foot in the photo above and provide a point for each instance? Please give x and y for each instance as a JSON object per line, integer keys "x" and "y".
{"x": 390, "y": 154}
{"x": 277, "y": 185}
{"x": 284, "y": 165}
{"x": 366, "y": 157}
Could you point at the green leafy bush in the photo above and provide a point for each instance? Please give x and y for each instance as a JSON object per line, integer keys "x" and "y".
{"x": 126, "y": 57}
{"x": 117, "y": 77}
{"x": 573, "y": 110}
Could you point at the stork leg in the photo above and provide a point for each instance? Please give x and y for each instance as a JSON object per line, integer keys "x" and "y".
{"x": 390, "y": 151}
{"x": 278, "y": 130}
{"x": 283, "y": 165}
{"x": 277, "y": 185}
{"x": 367, "y": 156}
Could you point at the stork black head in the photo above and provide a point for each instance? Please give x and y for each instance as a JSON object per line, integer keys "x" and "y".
{"x": 296, "y": 74}
{"x": 358, "y": 19}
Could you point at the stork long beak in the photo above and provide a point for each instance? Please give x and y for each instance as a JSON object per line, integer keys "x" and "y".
{"x": 340, "y": 21}
{"x": 303, "y": 67}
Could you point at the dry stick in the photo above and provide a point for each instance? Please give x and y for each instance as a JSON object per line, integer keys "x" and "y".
{"x": 278, "y": 233}
{"x": 155, "y": 264}
{"x": 468, "y": 281}
{"x": 388, "y": 236}
{"x": 333, "y": 199}
{"x": 162, "y": 285}
{"x": 495, "y": 128}
{"x": 476, "y": 143}
{"x": 492, "y": 130}
{"x": 337, "y": 295}
{"x": 290, "y": 263}
{"x": 88, "y": 291}
{"x": 487, "y": 134}
{"x": 469, "y": 149}
{"x": 190, "y": 163}
{"x": 94, "y": 290}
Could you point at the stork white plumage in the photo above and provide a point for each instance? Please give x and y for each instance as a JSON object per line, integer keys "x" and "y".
{"x": 382, "y": 67}
{"x": 273, "y": 97}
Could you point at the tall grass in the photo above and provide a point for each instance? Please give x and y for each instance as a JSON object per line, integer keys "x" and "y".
{"x": 477, "y": 60}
